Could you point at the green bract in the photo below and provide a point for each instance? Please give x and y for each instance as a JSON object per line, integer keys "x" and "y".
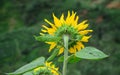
{"x": 70, "y": 30}
{"x": 47, "y": 38}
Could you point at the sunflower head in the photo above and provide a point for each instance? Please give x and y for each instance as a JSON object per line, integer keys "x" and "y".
{"x": 48, "y": 69}
{"x": 66, "y": 25}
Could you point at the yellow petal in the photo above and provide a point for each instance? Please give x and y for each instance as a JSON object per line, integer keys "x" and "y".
{"x": 71, "y": 18}
{"x": 85, "y": 38}
{"x": 68, "y": 15}
{"x": 44, "y": 30}
{"x": 56, "y": 21}
{"x": 52, "y": 25}
{"x": 51, "y": 31}
{"x": 48, "y": 64}
{"x": 68, "y": 18}
{"x": 82, "y": 25}
{"x": 45, "y": 27}
{"x": 52, "y": 45}
{"x": 79, "y": 46}
{"x": 41, "y": 34}
{"x": 35, "y": 70}
{"x": 84, "y": 32}
{"x": 83, "y": 22}
{"x": 61, "y": 50}
{"x": 62, "y": 19}
{"x": 72, "y": 50}
{"x": 53, "y": 66}
{"x": 75, "y": 47}
{"x": 56, "y": 69}
{"x": 75, "y": 21}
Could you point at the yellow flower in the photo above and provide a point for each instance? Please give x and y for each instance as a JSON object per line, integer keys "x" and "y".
{"x": 49, "y": 67}
{"x": 70, "y": 26}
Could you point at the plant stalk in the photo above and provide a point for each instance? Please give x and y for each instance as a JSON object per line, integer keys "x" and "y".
{"x": 65, "y": 39}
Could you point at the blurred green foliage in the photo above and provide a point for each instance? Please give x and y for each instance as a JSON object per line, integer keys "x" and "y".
{"x": 20, "y": 20}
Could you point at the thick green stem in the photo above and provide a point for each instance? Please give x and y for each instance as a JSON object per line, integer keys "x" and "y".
{"x": 65, "y": 39}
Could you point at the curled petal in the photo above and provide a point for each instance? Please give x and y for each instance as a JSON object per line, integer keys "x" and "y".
{"x": 75, "y": 21}
{"x": 72, "y": 50}
{"x": 52, "y": 45}
{"x": 61, "y": 50}
{"x": 84, "y": 32}
{"x": 82, "y": 25}
{"x": 79, "y": 45}
{"x": 85, "y": 38}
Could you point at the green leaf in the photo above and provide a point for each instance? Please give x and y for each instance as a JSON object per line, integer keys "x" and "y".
{"x": 36, "y": 63}
{"x": 47, "y": 38}
{"x": 71, "y": 59}
{"x": 90, "y": 53}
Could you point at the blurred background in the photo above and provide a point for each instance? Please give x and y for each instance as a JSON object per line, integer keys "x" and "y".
{"x": 20, "y": 20}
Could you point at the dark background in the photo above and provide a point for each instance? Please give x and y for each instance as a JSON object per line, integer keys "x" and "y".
{"x": 20, "y": 20}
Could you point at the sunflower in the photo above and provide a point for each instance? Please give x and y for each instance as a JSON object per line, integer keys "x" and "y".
{"x": 77, "y": 32}
{"x": 48, "y": 69}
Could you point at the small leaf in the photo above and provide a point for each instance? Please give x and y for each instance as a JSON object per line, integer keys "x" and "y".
{"x": 47, "y": 38}
{"x": 90, "y": 53}
{"x": 38, "y": 62}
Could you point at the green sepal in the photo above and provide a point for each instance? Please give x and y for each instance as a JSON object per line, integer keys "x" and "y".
{"x": 78, "y": 37}
{"x": 90, "y": 53}
{"x": 54, "y": 54}
{"x": 71, "y": 59}
{"x": 28, "y": 67}
{"x": 47, "y": 38}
